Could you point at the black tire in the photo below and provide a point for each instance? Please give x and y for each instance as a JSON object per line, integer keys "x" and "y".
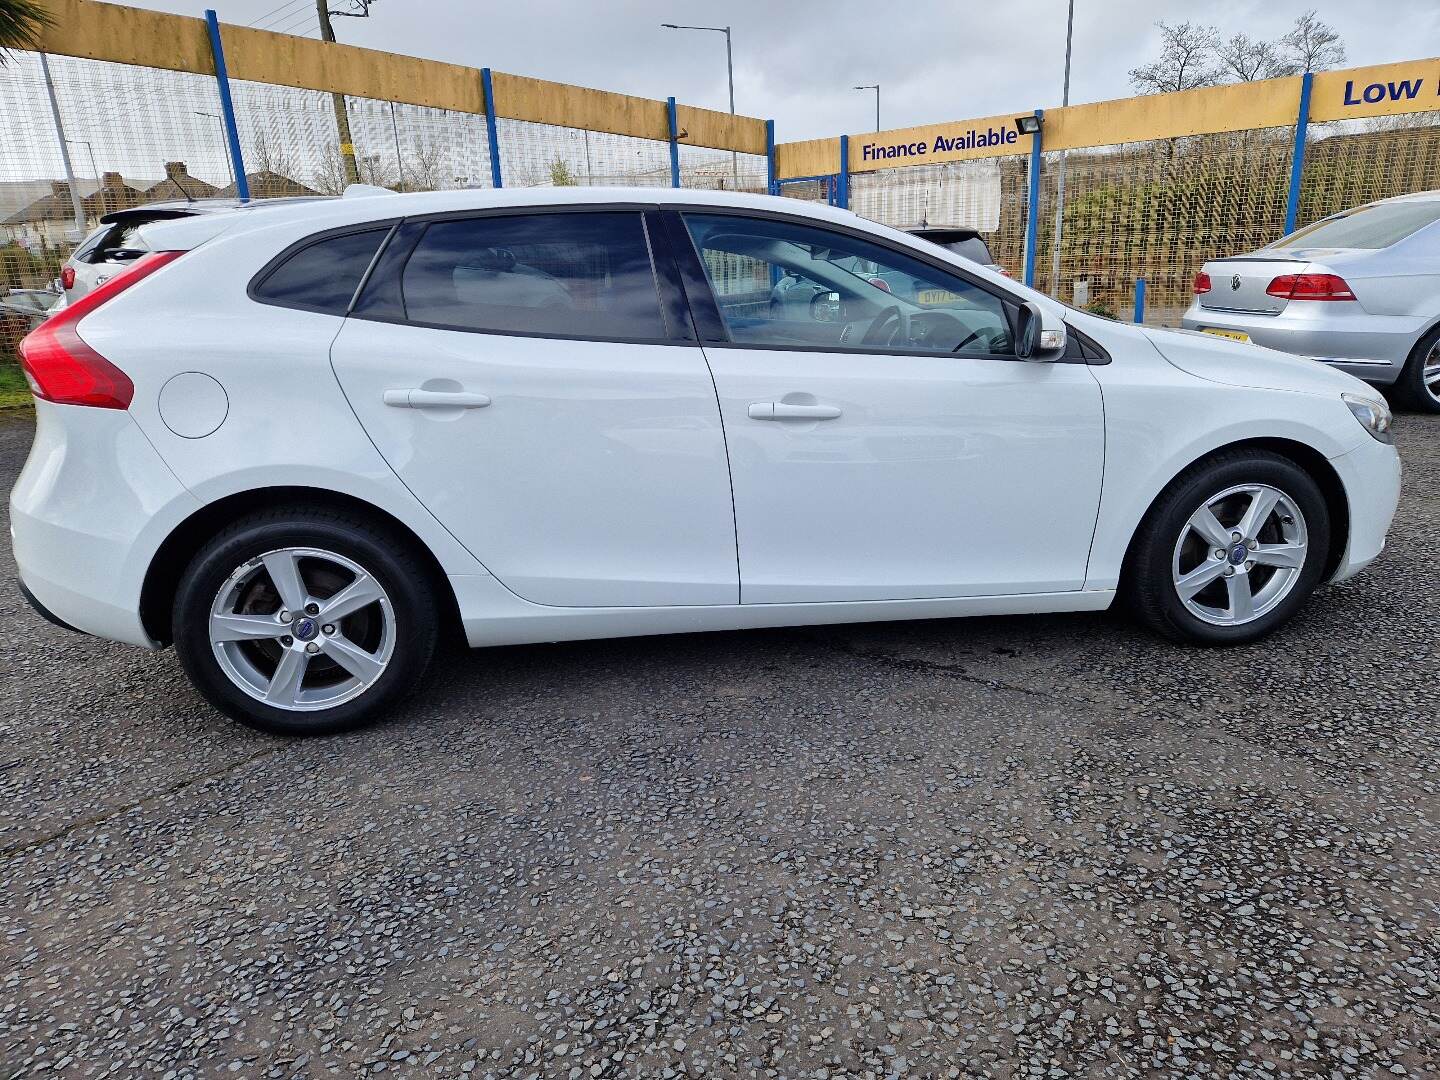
{"x": 390, "y": 559}
{"x": 1410, "y": 390}
{"x": 1149, "y": 583}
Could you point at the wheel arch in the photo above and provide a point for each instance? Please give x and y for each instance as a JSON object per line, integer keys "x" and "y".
{"x": 1307, "y": 457}
{"x": 162, "y": 577}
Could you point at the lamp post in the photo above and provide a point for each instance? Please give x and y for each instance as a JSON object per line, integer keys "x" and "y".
{"x": 730, "y": 75}
{"x": 876, "y": 88}
{"x": 221, "y": 121}
{"x": 1060, "y": 177}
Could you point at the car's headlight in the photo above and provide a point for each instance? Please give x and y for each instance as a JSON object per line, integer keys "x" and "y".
{"x": 1374, "y": 416}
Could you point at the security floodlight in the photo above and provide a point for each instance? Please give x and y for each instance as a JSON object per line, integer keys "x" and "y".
{"x": 1028, "y": 125}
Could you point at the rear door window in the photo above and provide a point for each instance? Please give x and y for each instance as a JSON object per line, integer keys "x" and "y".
{"x": 322, "y": 276}
{"x": 1369, "y": 227}
{"x": 574, "y": 274}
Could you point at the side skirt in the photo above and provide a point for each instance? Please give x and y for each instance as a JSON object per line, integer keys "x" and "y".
{"x": 493, "y": 615}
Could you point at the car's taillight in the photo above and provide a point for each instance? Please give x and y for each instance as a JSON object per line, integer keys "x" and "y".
{"x": 62, "y": 368}
{"x": 1001, "y": 270}
{"x": 1310, "y": 287}
{"x": 1202, "y": 283}
{"x": 880, "y": 283}
{"x": 67, "y": 277}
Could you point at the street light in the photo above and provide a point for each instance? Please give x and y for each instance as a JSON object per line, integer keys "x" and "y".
{"x": 876, "y": 88}
{"x": 730, "y": 74}
{"x": 1060, "y": 177}
{"x": 217, "y": 117}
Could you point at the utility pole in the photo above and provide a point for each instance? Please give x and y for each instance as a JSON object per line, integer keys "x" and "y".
{"x": 876, "y": 88}
{"x": 75, "y": 203}
{"x": 342, "y": 115}
{"x": 1060, "y": 178}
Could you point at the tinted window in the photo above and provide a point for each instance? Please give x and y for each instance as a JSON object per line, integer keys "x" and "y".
{"x": 567, "y": 274}
{"x": 324, "y": 275}
{"x": 1372, "y": 227}
{"x": 785, "y": 283}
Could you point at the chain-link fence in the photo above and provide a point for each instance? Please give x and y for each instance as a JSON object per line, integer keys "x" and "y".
{"x": 1157, "y": 210}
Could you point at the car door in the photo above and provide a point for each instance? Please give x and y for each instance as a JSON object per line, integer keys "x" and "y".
{"x": 520, "y": 374}
{"x": 882, "y": 447}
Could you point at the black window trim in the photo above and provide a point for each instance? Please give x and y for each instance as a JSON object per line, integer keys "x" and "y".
{"x": 711, "y": 325}
{"x": 674, "y": 330}
{"x": 252, "y": 290}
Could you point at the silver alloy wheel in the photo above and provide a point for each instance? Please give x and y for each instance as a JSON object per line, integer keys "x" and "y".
{"x": 302, "y": 629}
{"x": 1430, "y": 372}
{"x": 1240, "y": 554}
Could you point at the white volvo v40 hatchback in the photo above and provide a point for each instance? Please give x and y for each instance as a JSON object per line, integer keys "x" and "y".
{"x": 304, "y": 442}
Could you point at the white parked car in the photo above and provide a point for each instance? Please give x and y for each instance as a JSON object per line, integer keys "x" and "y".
{"x": 305, "y": 442}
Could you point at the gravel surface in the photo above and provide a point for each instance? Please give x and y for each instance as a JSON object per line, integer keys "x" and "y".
{"x": 1039, "y": 847}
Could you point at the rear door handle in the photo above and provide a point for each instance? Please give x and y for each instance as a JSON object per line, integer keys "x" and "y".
{"x": 435, "y": 399}
{"x": 784, "y": 410}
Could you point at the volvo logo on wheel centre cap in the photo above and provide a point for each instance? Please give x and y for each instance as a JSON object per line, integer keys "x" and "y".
{"x": 1238, "y": 554}
{"x": 305, "y": 629}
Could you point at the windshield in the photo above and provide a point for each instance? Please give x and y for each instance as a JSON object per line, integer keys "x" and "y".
{"x": 1372, "y": 227}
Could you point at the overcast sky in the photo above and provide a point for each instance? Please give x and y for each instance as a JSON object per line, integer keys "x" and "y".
{"x": 796, "y": 62}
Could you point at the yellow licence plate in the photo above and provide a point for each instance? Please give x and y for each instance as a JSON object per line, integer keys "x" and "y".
{"x": 935, "y": 297}
{"x": 1233, "y": 335}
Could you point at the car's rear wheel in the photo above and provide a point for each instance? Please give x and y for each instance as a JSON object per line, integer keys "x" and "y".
{"x": 1230, "y": 550}
{"x": 1419, "y": 382}
{"x": 305, "y": 622}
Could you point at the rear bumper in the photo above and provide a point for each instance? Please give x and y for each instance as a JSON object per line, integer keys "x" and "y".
{"x": 87, "y": 514}
{"x": 1370, "y": 347}
{"x": 1371, "y": 477}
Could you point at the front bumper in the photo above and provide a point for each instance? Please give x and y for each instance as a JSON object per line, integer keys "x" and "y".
{"x": 1370, "y": 347}
{"x": 1371, "y": 477}
{"x": 88, "y": 513}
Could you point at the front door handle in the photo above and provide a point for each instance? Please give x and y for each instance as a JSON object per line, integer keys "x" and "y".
{"x": 435, "y": 399}
{"x": 784, "y": 410}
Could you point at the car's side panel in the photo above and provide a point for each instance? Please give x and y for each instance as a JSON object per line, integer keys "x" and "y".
{"x": 596, "y": 475}
{"x": 284, "y": 421}
{"x": 1161, "y": 419}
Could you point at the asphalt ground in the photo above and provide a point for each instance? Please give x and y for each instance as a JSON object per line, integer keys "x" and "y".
{"x": 1040, "y": 846}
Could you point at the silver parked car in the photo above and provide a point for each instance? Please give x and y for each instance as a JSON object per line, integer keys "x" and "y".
{"x": 1359, "y": 289}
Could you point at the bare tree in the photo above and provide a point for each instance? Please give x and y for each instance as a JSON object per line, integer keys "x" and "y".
{"x": 268, "y": 154}
{"x": 1247, "y": 59}
{"x": 1187, "y": 60}
{"x": 425, "y": 166}
{"x": 1313, "y": 45}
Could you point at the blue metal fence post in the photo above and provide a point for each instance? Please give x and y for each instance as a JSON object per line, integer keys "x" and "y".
{"x": 227, "y": 107}
{"x": 674, "y": 143}
{"x": 1139, "y": 300}
{"x": 492, "y": 133}
{"x": 1297, "y": 155}
{"x": 770, "y": 184}
{"x": 842, "y": 178}
{"x": 1032, "y": 201}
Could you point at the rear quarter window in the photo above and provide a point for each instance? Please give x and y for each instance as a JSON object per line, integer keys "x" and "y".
{"x": 321, "y": 276}
{"x": 1368, "y": 227}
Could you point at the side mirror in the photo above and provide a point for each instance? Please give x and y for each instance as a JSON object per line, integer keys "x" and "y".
{"x": 1040, "y": 337}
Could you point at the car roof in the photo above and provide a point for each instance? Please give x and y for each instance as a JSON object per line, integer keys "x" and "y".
{"x": 367, "y": 205}
{"x": 183, "y": 207}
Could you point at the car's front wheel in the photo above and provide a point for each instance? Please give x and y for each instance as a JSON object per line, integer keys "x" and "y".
{"x": 1230, "y": 550}
{"x": 298, "y": 621}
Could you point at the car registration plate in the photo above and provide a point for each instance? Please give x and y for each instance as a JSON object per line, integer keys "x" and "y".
{"x": 935, "y": 297}
{"x": 1233, "y": 335}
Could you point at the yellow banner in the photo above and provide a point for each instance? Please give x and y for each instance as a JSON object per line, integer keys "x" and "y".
{"x": 936, "y": 143}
